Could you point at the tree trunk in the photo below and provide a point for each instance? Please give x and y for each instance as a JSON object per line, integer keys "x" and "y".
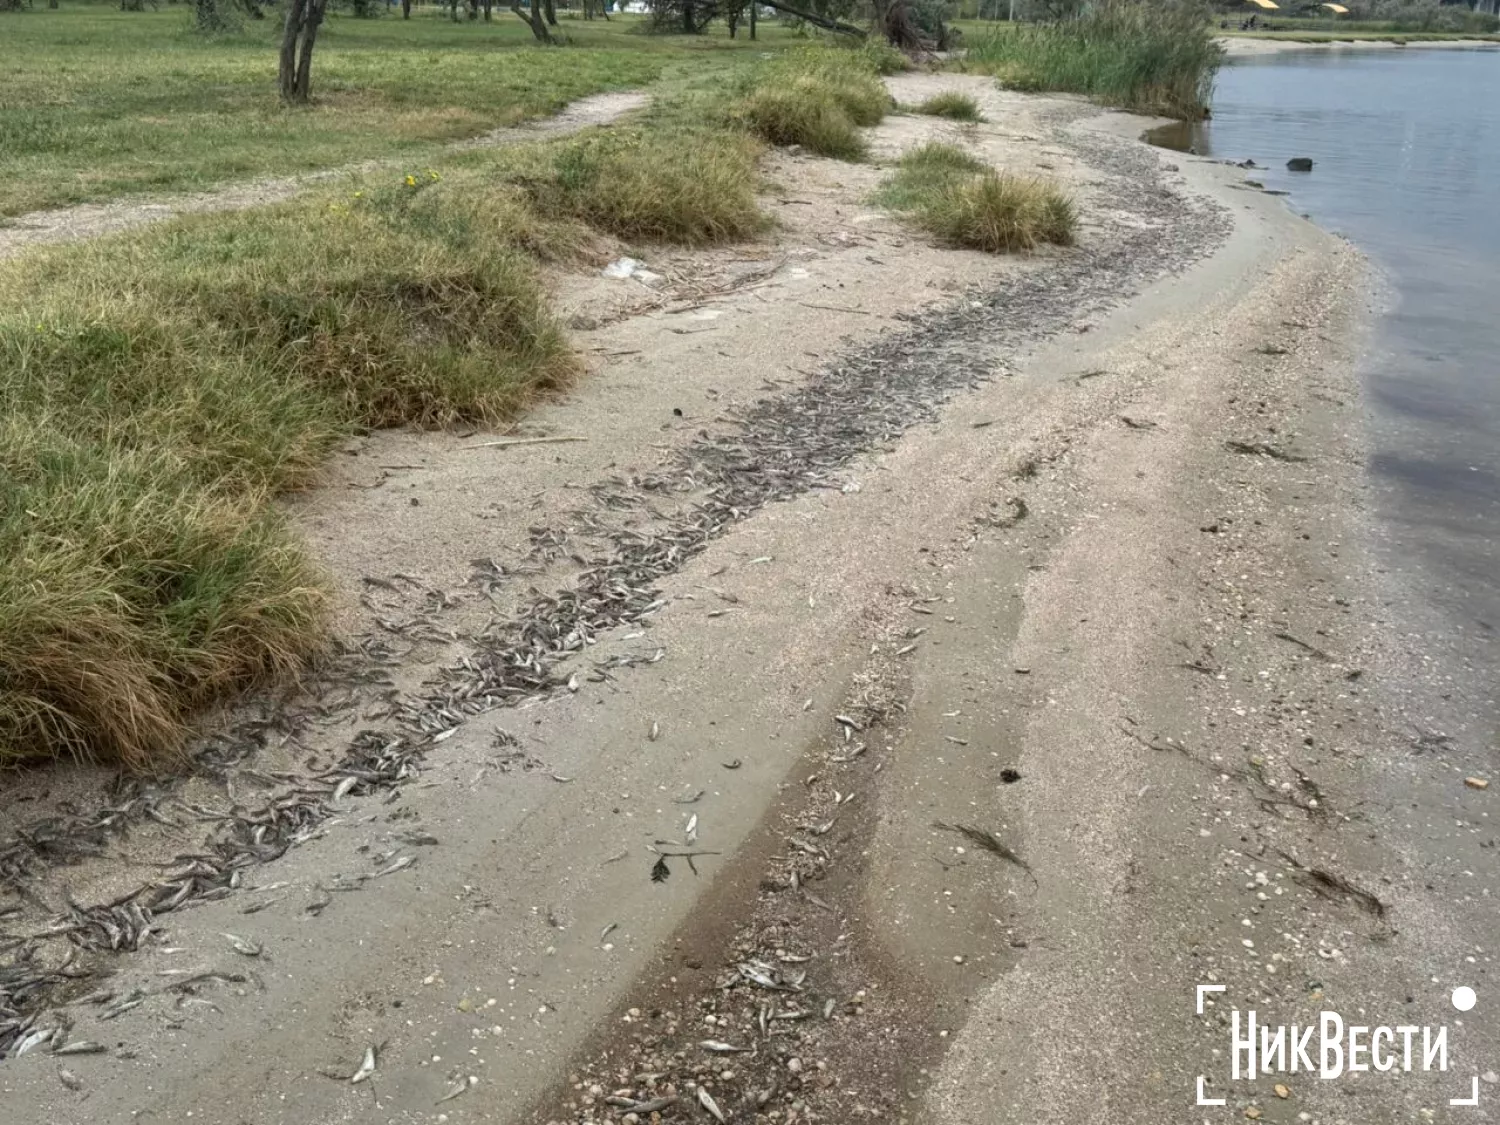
{"x": 535, "y": 20}
{"x": 551, "y": 7}
{"x": 406, "y": 9}
{"x": 488, "y": 4}
{"x": 295, "y": 71}
{"x": 754, "y": 4}
{"x": 687, "y": 17}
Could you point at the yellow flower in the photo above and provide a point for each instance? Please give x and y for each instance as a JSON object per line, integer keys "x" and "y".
{"x": 359, "y": 195}
{"x": 433, "y": 176}
{"x": 411, "y": 181}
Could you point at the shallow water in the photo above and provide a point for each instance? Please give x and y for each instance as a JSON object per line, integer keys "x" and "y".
{"x": 1406, "y": 145}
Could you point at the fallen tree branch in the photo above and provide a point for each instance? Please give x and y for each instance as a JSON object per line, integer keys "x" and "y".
{"x": 820, "y": 21}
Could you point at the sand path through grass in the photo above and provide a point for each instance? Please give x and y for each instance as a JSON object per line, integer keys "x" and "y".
{"x": 89, "y": 220}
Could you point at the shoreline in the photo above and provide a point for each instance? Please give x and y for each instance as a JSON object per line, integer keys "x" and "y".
{"x": 1020, "y": 396}
{"x": 1242, "y": 47}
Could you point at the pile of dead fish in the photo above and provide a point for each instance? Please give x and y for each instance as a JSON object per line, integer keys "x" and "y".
{"x": 775, "y": 450}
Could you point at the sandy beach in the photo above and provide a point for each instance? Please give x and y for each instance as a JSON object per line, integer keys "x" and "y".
{"x": 970, "y": 656}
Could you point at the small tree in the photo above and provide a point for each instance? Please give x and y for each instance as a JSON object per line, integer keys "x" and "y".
{"x": 302, "y": 20}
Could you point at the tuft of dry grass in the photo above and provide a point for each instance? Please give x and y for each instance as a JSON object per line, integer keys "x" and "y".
{"x": 965, "y": 203}
{"x": 818, "y": 98}
{"x": 690, "y": 188}
{"x": 953, "y": 105}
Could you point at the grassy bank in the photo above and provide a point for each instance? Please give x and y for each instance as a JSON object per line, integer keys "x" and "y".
{"x": 164, "y": 387}
{"x": 1158, "y": 59}
{"x": 99, "y": 103}
{"x": 966, "y": 203}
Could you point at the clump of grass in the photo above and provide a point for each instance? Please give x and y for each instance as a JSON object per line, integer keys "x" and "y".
{"x": 953, "y": 105}
{"x": 930, "y": 168}
{"x": 691, "y": 188}
{"x": 884, "y": 58}
{"x": 965, "y": 203}
{"x": 807, "y": 117}
{"x": 162, "y": 388}
{"x": 818, "y": 98}
{"x": 1151, "y": 58}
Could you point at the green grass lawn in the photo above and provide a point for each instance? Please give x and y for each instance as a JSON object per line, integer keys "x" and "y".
{"x": 98, "y": 103}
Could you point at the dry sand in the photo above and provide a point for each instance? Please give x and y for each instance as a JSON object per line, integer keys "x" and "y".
{"x": 1067, "y": 550}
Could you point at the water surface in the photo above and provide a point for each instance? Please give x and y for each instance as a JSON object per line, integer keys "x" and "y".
{"x": 1406, "y": 145}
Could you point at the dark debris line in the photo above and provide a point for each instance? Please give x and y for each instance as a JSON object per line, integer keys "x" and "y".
{"x": 778, "y": 449}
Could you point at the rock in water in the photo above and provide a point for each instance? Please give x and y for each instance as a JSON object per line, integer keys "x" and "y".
{"x": 1299, "y": 164}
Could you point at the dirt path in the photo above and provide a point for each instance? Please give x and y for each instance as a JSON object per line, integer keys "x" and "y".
{"x": 867, "y": 538}
{"x": 89, "y": 220}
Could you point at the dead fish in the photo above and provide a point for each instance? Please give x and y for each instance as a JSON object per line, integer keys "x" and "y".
{"x": 698, "y": 796}
{"x": 396, "y": 865}
{"x": 33, "y": 1040}
{"x": 763, "y": 975}
{"x": 706, "y": 1100}
{"x": 561, "y": 779}
{"x": 120, "y": 1007}
{"x": 342, "y": 789}
{"x": 366, "y": 1067}
{"x": 81, "y": 1047}
{"x": 719, "y": 1047}
{"x": 734, "y": 765}
{"x": 69, "y": 1079}
{"x": 828, "y": 1006}
{"x": 243, "y": 947}
{"x": 573, "y": 682}
{"x": 633, "y": 1106}
{"x": 315, "y": 907}
{"x": 654, "y": 732}
{"x": 846, "y": 721}
{"x": 609, "y": 929}
{"x": 691, "y": 833}
{"x": 459, "y": 1086}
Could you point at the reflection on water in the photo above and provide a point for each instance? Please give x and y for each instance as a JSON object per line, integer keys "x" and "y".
{"x": 1406, "y": 147}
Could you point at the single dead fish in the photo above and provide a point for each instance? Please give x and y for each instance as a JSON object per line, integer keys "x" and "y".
{"x": 734, "y": 765}
{"x": 366, "y": 1067}
{"x": 655, "y": 732}
{"x": 81, "y": 1047}
{"x": 459, "y": 1086}
{"x": 651, "y": 1106}
{"x": 706, "y": 1100}
{"x": 573, "y": 682}
{"x": 342, "y": 789}
{"x": 828, "y": 1006}
{"x": 719, "y": 1047}
{"x": 33, "y": 1040}
{"x": 242, "y": 946}
{"x": 691, "y": 833}
{"x": 69, "y": 1079}
{"x": 609, "y": 929}
{"x": 698, "y": 796}
{"x": 396, "y": 865}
